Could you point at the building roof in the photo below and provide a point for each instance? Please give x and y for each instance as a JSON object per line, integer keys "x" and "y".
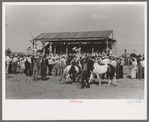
{"x": 57, "y": 36}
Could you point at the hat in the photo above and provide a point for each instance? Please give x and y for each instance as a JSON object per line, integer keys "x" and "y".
{"x": 103, "y": 57}
{"x": 16, "y": 55}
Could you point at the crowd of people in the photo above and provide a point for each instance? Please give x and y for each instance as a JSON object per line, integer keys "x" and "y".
{"x": 43, "y": 65}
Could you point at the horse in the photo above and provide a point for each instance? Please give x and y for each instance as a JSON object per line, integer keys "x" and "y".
{"x": 71, "y": 71}
{"x": 85, "y": 73}
{"x": 98, "y": 70}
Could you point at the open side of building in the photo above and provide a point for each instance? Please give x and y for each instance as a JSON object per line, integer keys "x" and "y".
{"x": 88, "y": 41}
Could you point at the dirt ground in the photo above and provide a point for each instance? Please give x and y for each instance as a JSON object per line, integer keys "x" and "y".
{"x": 21, "y": 87}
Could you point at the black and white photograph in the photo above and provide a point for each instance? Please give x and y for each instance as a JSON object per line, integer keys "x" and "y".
{"x": 73, "y": 58}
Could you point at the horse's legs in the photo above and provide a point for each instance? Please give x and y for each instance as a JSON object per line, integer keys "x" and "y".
{"x": 109, "y": 81}
{"x": 114, "y": 81}
{"x": 98, "y": 79}
{"x": 87, "y": 81}
{"x": 91, "y": 78}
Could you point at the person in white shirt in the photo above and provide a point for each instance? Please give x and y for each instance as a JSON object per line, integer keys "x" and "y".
{"x": 7, "y": 62}
{"x": 113, "y": 62}
{"x": 15, "y": 61}
{"x": 50, "y": 65}
{"x": 133, "y": 68}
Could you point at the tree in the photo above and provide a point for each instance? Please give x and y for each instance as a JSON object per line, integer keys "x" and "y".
{"x": 8, "y": 51}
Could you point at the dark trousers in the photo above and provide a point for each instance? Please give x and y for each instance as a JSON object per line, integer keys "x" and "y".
{"x": 139, "y": 73}
{"x": 43, "y": 73}
{"x": 27, "y": 69}
{"x": 84, "y": 79}
{"x": 50, "y": 68}
{"x": 35, "y": 75}
{"x": 117, "y": 72}
{"x": 143, "y": 72}
{"x": 121, "y": 71}
{"x": 10, "y": 68}
{"x": 31, "y": 70}
{"x": 15, "y": 67}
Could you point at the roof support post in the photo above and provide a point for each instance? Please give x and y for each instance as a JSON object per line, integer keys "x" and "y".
{"x": 107, "y": 47}
{"x": 92, "y": 47}
{"x": 50, "y": 48}
{"x": 43, "y": 47}
{"x": 112, "y": 35}
{"x": 54, "y": 49}
{"x": 67, "y": 49}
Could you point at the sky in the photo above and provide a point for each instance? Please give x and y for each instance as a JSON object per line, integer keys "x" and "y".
{"x": 25, "y": 22}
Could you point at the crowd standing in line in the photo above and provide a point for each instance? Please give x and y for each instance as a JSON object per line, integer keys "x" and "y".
{"x": 43, "y": 65}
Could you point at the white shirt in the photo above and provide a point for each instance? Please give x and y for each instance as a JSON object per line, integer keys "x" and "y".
{"x": 15, "y": 59}
{"x": 113, "y": 62}
{"x": 28, "y": 59}
{"x": 50, "y": 61}
{"x": 7, "y": 59}
{"x": 143, "y": 63}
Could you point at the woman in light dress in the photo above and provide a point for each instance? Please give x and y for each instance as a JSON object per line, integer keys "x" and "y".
{"x": 22, "y": 65}
{"x": 133, "y": 68}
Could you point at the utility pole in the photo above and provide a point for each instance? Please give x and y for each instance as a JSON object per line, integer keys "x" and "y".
{"x": 33, "y": 43}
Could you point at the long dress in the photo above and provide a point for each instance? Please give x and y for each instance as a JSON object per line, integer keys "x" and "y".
{"x": 133, "y": 69}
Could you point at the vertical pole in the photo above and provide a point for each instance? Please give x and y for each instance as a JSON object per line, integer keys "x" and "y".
{"x": 92, "y": 47}
{"x": 54, "y": 49}
{"x": 107, "y": 47}
{"x": 116, "y": 48}
{"x": 67, "y": 49}
{"x": 43, "y": 47}
{"x": 33, "y": 48}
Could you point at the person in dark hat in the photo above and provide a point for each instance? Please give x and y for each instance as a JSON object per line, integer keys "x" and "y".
{"x": 44, "y": 64}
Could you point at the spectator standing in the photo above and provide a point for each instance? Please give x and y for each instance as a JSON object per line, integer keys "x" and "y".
{"x": 7, "y": 63}
{"x": 50, "y": 65}
{"x": 117, "y": 68}
{"x": 15, "y": 60}
{"x": 56, "y": 67}
{"x": 142, "y": 64}
{"x": 22, "y": 65}
{"x": 113, "y": 62}
{"x": 27, "y": 65}
{"x": 133, "y": 68}
{"x": 44, "y": 64}
{"x": 62, "y": 64}
{"x": 10, "y": 65}
{"x": 139, "y": 68}
{"x": 35, "y": 68}
{"x": 121, "y": 67}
